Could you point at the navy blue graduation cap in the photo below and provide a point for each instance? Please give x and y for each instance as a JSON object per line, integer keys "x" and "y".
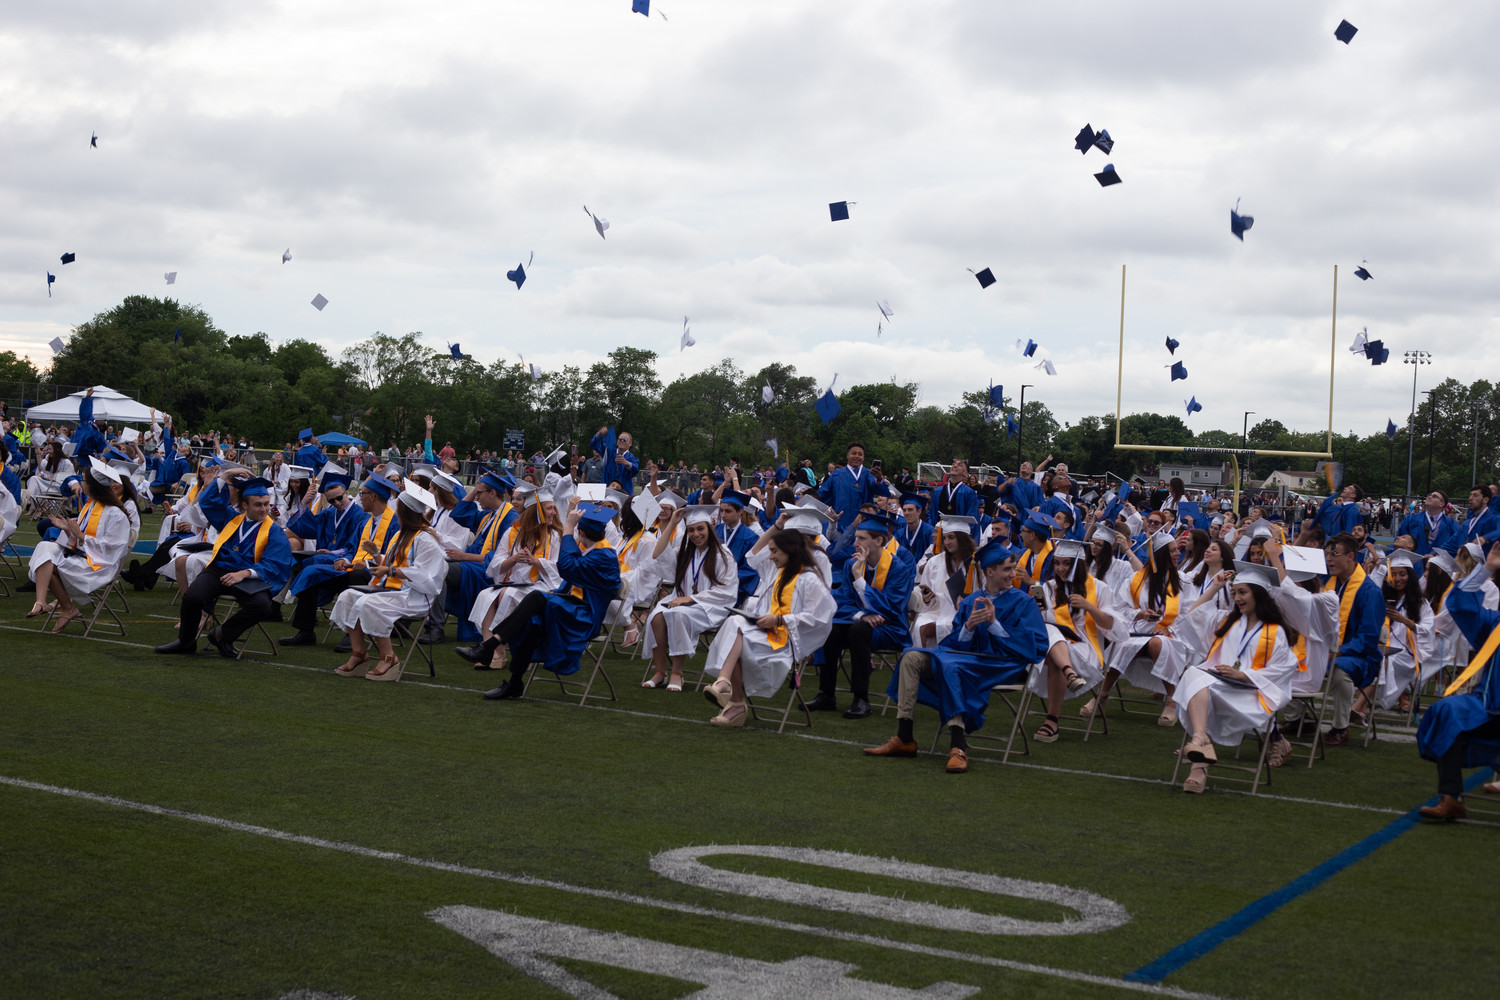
{"x": 1011, "y": 427}
{"x": 1390, "y": 428}
{"x": 50, "y": 279}
{"x": 1239, "y": 223}
{"x": 177, "y": 333}
{"x": 453, "y": 350}
{"x": 838, "y": 211}
{"x": 519, "y": 274}
{"x": 1363, "y": 273}
{"x": 915, "y": 499}
{"x": 1193, "y": 406}
{"x": 1172, "y": 346}
{"x": 305, "y": 434}
{"x": 1087, "y": 138}
{"x": 69, "y": 258}
{"x": 997, "y": 395}
{"x": 1029, "y": 349}
{"x": 1377, "y": 352}
{"x": 827, "y": 406}
{"x": 642, "y": 7}
{"x": 1345, "y": 32}
{"x": 986, "y": 277}
{"x": 94, "y": 141}
{"x": 1107, "y": 176}
{"x": 1179, "y": 370}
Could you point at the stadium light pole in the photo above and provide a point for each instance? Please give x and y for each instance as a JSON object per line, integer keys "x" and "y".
{"x": 1021, "y": 424}
{"x": 1416, "y": 359}
{"x": 1245, "y": 429}
{"x": 1474, "y": 473}
{"x": 1431, "y": 395}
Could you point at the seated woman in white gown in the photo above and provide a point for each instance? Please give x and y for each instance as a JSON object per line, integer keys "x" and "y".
{"x": 403, "y": 581}
{"x": 1442, "y": 644}
{"x": 50, "y": 472}
{"x": 1080, "y": 613}
{"x": 293, "y": 498}
{"x": 88, "y": 552}
{"x": 1105, "y": 563}
{"x": 525, "y": 560}
{"x": 944, "y": 580}
{"x": 704, "y": 585}
{"x": 788, "y": 618}
{"x": 1410, "y": 621}
{"x": 1245, "y": 679}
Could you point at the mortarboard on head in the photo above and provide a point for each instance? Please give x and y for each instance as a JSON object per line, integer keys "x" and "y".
{"x": 1048, "y": 367}
{"x": 299, "y": 472}
{"x": 524, "y": 495}
{"x": 423, "y": 472}
{"x": 254, "y": 487}
{"x": 827, "y": 406}
{"x": 69, "y": 258}
{"x": 1070, "y": 548}
{"x": 1107, "y": 176}
{"x": 596, "y": 517}
{"x": 380, "y": 486}
{"x": 1363, "y": 273}
{"x": 1256, "y": 575}
{"x": 1039, "y": 523}
{"x": 875, "y": 524}
{"x": 329, "y": 479}
{"x": 57, "y": 345}
{"x": 1105, "y": 535}
{"x": 1439, "y": 559}
{"x": 1160, "y": 540}
{"x": 735, "y": 498}
{"x": 102, "y": 472}
{"x": 319, "y": 302}
{"x": 286, "y": 255}
{"x": 1409, "y": 561}
{"x": 1027, "y": 349}
{"x": 393, "y": 471}
{"x": 305, "y": 434}
{"x": 838, "y": 211}
{"x": 418, "y": 499}
{"x": 1345, "y": 32}
{"x": 1193, "y": 406}
{"x": 1239, "y": 223}
{"x": 993, "y": 553}
{"x": 960, "y": 523}
{"x": 171, "y": 277}
{"x": 619, "y": 499}
{"x": 600, "y": 222}
{"x": 1172, "y": 346}
{"x": 448, "y": 483}
{"x": 497, "y": 483}
{"x": 915, "y": 499}
{"x": 669, "y": 499}
{"x": 1390, "y": 428}
{"x": 701, "y": 513}
{"x": 986, "y": 277}
{"x": 687, "y": 337}
{"x": 1179, "y": 370}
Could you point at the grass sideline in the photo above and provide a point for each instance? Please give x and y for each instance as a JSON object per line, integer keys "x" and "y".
{"x": 99, "y": 900}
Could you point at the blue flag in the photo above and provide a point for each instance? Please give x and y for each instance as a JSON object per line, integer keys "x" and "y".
{"x": 177, "y": 333}
{"x": 1390, "y": 429}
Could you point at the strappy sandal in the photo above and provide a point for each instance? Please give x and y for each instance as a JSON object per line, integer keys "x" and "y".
{"x": 1197, "y": 780}
{"x": 390, "y": 670}
{"x": 674, "y": 686}
{"x": 1074, "y": 683}
{"x": 357, "y": 666}
{"x": 63, "y": 617}
{"x": 656, "y": 681}
{"x": 719, "y": 693}
{"x": 1047, "y": 733}
{"x": 733, "y": 716}
{"x": 41, "y": 609}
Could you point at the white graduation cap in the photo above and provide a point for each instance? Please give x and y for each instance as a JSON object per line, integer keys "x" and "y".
{"x": 101, "y": 472}
{"x": 774, "y": 445}
{"x": 667, "y": 498}
{"x": 957, "y": 523}
{"x": 646, "y": 507}
{"x": 557, "y": 455}
{"x": 1105, "y": 535}
{"x": 1160, "y": 540}
{"x": 69, "y": 448}
{"x": 286, "y": 255}
{"x": 561, "y": 486}
{"x": 129, "y": 434}
{"x": 592, "y": 492}
{"x": 1443, "y": 561}
{"x": 616, "y": 497}
{"x": 319, "y": 302}
{"x": 702, "y": 513}
{"x": 1048, "y": 367}
{"x": 1303, "y": 562}
{"x": 885, "y": 308}
{"x": 687, "y": 336}
{"x": 1360, "y": 340}
{"x": 523, "y": 494}
{"x": 418, "y": 499}
{"x": 57, "y": 345}
{"x": 125, "y": 466}
{"x": 425, "y": 471}
{"x": 766, "y": 395}
{"x": 1263, "y": 577}
{"x": 813, "y": 503}
{"x": 299, "y": 472}
{"x": 1070, "y": 548}
{"x": 807, "y": 522}
{"x": 171, "y": 277}
{"x": 600, "y": 222}
{"x": 447, "y": 482}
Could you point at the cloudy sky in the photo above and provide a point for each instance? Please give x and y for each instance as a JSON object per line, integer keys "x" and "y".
{"x": 410, "y": 154}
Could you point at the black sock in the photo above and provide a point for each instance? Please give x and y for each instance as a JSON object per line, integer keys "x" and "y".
{"x": 904, "y": 731}
{"x": 488, "y": 646}
{"x": 959, "y": 740}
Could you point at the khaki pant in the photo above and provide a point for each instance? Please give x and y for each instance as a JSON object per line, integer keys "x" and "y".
{"x": 1340, "y": 696}
{"x": 914, "y": 665}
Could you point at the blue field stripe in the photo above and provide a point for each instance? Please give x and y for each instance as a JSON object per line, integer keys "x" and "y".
{"x": 1205, "y": 942}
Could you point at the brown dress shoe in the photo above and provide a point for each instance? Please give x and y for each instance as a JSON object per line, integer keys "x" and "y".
{"x": 1336, "y": 738}
{"x": 958, "y": 761}
{"x": 1447, "y": 810}
{"x": 893, "y": 747}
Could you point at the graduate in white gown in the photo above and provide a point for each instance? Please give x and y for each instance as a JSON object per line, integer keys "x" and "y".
{"x": 1246, "y": 676}
{"x": 50, "y": 472}
{"x": 525, "y": 560}
{"x": 944, "y": 580}
{"x": 1218, "y": 557}
{"x": 1409, "y": 620}
{"x": 1443, "y": 644}
{"x": 403, "y": 581}
{"x": 788, "y": 618}
{"x": 1107, "y": 564}
{"x": 88, "y": 552}
{"x": 1081, "y": 614}
{"x": 704, "y": 585}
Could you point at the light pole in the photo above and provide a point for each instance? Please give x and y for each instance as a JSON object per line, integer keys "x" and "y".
{"x": 1416, "y": 359}
{"x": 1431, "y": 395}
{"x": 1021, "y": 424}
{"x": 1474, "y": 474}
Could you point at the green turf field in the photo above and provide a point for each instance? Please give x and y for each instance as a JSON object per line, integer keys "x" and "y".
{"x": 253, "y": 828}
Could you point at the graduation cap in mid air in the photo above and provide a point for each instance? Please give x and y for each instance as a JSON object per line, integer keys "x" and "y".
{"x": 1377, "y": 352}
{"x": 177, "y": 333}
{"x": 687, "y": 337}
{"x": 1172, "y": 346}
{"x": 455, "y": 352}
{"x": 642, "y": 7}
{"x": 1363, "y": 273}
{"x": 1360, "y": 339}
{"x": 1345, "y": 32}
{"x": 997, "y": 395}
{"x": 766, "y": 395}
{"x": 1048, "y": 367}
{"x": 94, "y": 141}
{"x": 1107, "y": 176}
{"x": 1011, "y": 427}
{"x": 536, "y": 373}
{"x": 600, "y": 222}
{"x": 1027, "y": 349}
{"x": 884, "y": 305}
{"x": 286, "y": 255}
{"x": 838, "y": 211}
{"x": 1239, "y": 223}
{"x": 57, "y": 345}
{"x": 519, "y": 274}
{"x": 1087, "y": 138}
{"x": 827, "y": 406}
{"x": 1193, "y": 406}
{"x": 171, "y": 277}
{"x": 1390, "y": 428}
{"x": 50, "y": 279}
{"x": 69, "y": 258}
{"x": 319, "y": 302}
{"x": 986, "y": 277}
{"x": 1179, "y": 370}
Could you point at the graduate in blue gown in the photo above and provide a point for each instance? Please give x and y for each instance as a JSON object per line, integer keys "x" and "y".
{"x": 620, "y": 466}
{"x": 954, "y": 496}
{"x": 1339, "y": 512}
{"x": 1484, "y": 515}
{"x": 335, "y": 527}
{"x": 1359, "y": 656}
{"x": 997, "y": 635}
{"x": 8, "y": 477}
{"x": 87, "y": 439}
{"x": 739, "y": 538}
{"x": 1060, "y": 500}
{"x": 251, "y": 562}
{"x": 1463, "y": 730}
{"x": 1431, "y": 528}
{"x": 559, "y": 625}
{"x": 913, "y": 533}
{"x": 488, "y": 513}
{"x": 850, "y": 487}
{"x": 309, "y": 452}
{"x": 1021, "y": 490}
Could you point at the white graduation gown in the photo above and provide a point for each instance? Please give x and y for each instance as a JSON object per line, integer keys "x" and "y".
{"x": 376, "y": 614}
{"x": 764, "y": 668}
{"x": 1234, "y": 709}
{"x": 1181, "y": 643}
{"x": 1315, "y": 616}
{"x": 939, "y": 609}
{"x": 44, "y": 482}
{"x": 505, "y": 599}
{"x": 1087, "y": 662}
{"x": 10, "y": 516}
{"x": 100, "y": 559}
{"x": 711, "y": 604}
{"x": 1399, "y": 669}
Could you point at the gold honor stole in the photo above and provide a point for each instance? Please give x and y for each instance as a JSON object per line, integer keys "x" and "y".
{"x": 937, "y": 539}
{"x": 1032, "y": 564}
{"x": 1169, "y": 606}
{"x": 1346, "y": 602}
{"x": 1259, "y": 660}
{"x": 575, "y": 591}
{"x": 89, "y": 519}
{"x": 488, "y": 529}
{"x": 777, "y": 637}
{"x": 1486, "y": 652}
{"x": 629, "y": 549}
{"x": 542, "y": 550}
{"x": 1062, "y": 612}
{"x": 398, "y": 560}
{"x": 233, "y": 527}
{"x": 882, "y": 568}
{"x": 374, "y": 527}
{"x": 892, "y": 544}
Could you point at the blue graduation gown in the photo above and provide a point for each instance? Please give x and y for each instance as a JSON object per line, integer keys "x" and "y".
{"x": 1449, "y": 717}
{"x": 12, "y": 482}
{"x": 963, "y": 672}
{"x": 617, "y": 465}
{"x": 334, "y": 530}
{"x": 1485, "y": 525}
{"x": 471, "y": 574}
{"x": 1448, "y": 536}
{"x": 1024, "y": 493}
{"x": 319, "y": 569}
{"x": 889, "y": 601}
{"x": 965, "y": 503}
{"x": 739, "y": 543}
{"x": 1052, "y": 505}
{"x": 846, "y": 493}
{"x": 310, "y": 456}
{"x": 274, "y": 566}
{"x": 918, "y": 543}
{"x": 1334, "y": 518}
{"x": 88, "y": 439}
{"x": 571, "y": 623}
{"x": 1359, "y": 653}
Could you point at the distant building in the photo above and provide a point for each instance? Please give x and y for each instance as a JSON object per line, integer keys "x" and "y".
{"x": 1196, "y": 476}
{"x": 1292, "y": 479}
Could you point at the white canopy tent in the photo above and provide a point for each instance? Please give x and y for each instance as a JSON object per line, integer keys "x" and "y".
{"x": 109, "y": 406}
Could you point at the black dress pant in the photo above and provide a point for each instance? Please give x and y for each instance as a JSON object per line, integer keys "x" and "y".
{"x": 520, "y": 634}
{"x": 305, "y": 613}
{"x": 1450, "y": 764}
{"x": 858, "y": 638}
{"x": 205, "y": 592}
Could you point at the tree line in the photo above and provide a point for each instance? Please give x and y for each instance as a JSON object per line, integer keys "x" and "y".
{"x": 172, "y": 356}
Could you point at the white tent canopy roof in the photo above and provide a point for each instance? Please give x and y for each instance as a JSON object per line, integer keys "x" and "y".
{"x": 109, "y": 406}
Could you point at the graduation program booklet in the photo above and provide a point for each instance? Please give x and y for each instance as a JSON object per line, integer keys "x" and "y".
{"x": 1209, "y": 669}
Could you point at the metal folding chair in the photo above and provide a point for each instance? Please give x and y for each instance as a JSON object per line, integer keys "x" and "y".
{"x": 107, "y": 600}
{"x": 783, "y": 716}
{"x": 1008, "y": 742}
{"x": 1076, "y": 722}
{"x": 1260, "y": 773}
{"x": 598, "y": 646}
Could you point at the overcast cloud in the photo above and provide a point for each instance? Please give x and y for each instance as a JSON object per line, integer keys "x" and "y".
{"x": 409, "y": 154}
